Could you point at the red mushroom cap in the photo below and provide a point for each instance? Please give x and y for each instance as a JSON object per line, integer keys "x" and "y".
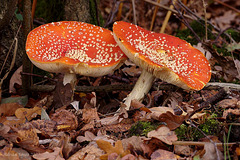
{"x": 166, "y": 57}
{"x": 74, "y": 47}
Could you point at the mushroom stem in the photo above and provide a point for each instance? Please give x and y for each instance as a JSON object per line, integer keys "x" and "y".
{"x": 70, "y": 78}
{"x": 141, "y": 88}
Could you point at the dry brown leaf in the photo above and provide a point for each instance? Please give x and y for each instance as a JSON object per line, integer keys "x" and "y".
{"x": 231, "y": 111}
{"x": 164, "y": 134}
{"x": 128, "y": 157}
{"x": 29, "y": 114}
{"x": 225, "y": 20}
{"x": 211, "y": 153}
{"x": 182, "y": 150}
{"x": 172, "y": 121}
{"x": 65, "y": 119}
{"x": 23, "y": 154}
{"x": 25, "y": 136}
{"x": 227, "y": 103}
{"x": 4, "y": 129}
{"x": 46, "y": 127}
{"x": 89, "y": 152}
{"x": 161, "y": 154}
{"x": 88, "y": 136}
{"x": 8, "y": 109}
{"x": 135, "y": 141}
{"x": 132, "y": 71}
{"x": 62, "y": 140}
{"x": 157, "y": 111}
{"x": 56, "y": 155}
{"x": 108, "y": 148}
{"x": 135, "y": 104}
{"x": 7, "y": 153}
{"x": 89, "y": 114}
{"x": 16, "y": 78}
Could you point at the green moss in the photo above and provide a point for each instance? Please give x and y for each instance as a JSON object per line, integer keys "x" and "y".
{"x": 199, "y": 29}
{"x": 211, "y": 126}
{"x": 234, "y": 34}
{"x": 141, "y": 128}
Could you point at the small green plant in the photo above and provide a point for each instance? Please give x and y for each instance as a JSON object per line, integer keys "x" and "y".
{"x": 142, "y": 128}
{"x": 211, "y": 126}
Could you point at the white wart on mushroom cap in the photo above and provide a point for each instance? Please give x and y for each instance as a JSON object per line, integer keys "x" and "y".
{"x": 166, "y": 57}
{"x": 74, "y": 47}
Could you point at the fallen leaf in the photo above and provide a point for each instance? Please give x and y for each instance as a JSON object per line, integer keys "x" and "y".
{"x": 211, "y": 153}
{"x": 161, "y": 154}
{"x": 23, "y": 154}
{"x": 227, "y": 103}
{"x": 65, "y": 119}
{"x": 89, "y": 114}
{"x": 8, "y": 109}
{"x": 29, "y": 114}
{"x": 63, "y": 94}
{"x": 172, "y": 121}
{"x": 128, "y": 157}
{"x": 56, "y": 155}
{"x": 132, "y": 71}
{"x": 7, "y": 153}
{"x": 231, "y": 111}
{"x": 46, "y": 127}
{"x": 90, "y": 152}
{"x": 88, "y": 136}
{"x": 182, "y": 150}
{"x": 16, "y": 78}
{"x": 164, "y": 134}
{"x": 157, "y": 111}
{"x": 108, "y": 148}
{"x": 135, "y": 141}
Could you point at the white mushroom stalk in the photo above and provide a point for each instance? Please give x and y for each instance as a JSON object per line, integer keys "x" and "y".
{"x": 141, "y": 88}
{"x": 163, "y": 56}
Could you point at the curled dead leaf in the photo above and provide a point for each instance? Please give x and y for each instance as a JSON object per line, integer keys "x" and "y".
{"x": 164, "y": 134}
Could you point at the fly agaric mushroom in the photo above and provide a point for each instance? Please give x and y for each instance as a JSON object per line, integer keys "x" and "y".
{"x": 71, "y": 48}
{"x": 166, "y": 57}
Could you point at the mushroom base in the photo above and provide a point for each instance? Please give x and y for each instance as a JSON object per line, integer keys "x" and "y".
{"x": 141, "y": 88}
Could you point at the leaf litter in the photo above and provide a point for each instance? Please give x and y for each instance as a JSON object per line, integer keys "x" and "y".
{"x": 90, "y": 128}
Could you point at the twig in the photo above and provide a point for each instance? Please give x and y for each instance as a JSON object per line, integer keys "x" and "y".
{"x": 12, "y": 63}
{"x": 33, "y": 9}
{"x": 119, "y": 14}
{"x": 127, "y": 87}
{"x": 112, "y": 13}
{"x": 205, "y": 18}
{"x": 154, "y": 16}
{"x": 167, "y": 8}
{"x": 36, "y": 75}
{"x": 225, "y": 4}
{"x": 167, "y": 18}
{"x": 212, "y": 100}
{"x": 106, "y": 88}
{"x": 200, "y": 19}
{"x": 215, "y": 146}
{"x": 181, "y": 17}
{"x": 192, "y": 143}
{"x": 134, "y": 12}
